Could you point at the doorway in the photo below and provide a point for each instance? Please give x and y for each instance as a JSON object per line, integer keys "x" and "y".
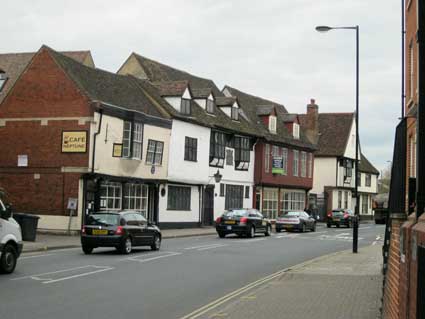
{"x": 208, "y": 213}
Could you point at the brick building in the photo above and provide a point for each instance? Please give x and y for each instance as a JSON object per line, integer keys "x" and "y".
{"x": 63, "y": 128}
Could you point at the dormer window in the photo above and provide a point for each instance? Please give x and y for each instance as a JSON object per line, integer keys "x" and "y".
{"x": 3, "y": 79}
{"x": 210, "y": 106}
{"x": 185, "y": 107}
{"x": 235, "y": 113}
{"x": 296, "y": 131}
{"x": 272, "y": 124}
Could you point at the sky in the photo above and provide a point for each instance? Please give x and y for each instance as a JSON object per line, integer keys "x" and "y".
{"x": 265, "y": 48}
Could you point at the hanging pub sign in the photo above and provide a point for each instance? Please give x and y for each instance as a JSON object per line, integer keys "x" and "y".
{"x": 277, "y": 165}
{"x": 117, "y": 150}
{"x": 74, "y": 141}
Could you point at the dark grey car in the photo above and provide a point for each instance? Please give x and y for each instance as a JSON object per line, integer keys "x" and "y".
{"x": 296, "y": 220}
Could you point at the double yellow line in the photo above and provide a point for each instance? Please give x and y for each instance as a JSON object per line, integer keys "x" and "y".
{"x": 220, "y": 301}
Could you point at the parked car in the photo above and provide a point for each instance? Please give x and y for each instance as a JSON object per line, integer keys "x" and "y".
{"x": 10, "y": 239}
{"x": 296, "y": 220}
{"x": 340, "y": 217}
{"x": 242, "y": 222}
{"x": 122, "y": 230}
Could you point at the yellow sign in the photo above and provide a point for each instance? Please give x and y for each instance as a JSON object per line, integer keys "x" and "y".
{"x": 117, "y": 150}
{"x": 74, "y": 141}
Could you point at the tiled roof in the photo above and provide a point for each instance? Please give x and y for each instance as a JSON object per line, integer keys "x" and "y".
{"x": 333, "y": 132}
{"x": 366, "y": 167}
{"x": 289, "y": 117}
{"x": 13, "y": 64}
{"x": 156, "y": 71}
{"x": 201, "y": 93}
{"x": 171, "y": 88}
{"x": 106, "y": 87}
{"x": 250, "y": 104}
{"x": 265, "y": 109}
{"x": 225, "y": 101}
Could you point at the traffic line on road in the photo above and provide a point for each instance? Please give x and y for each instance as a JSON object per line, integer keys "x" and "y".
{"x": 220, "y": 301}
{"x": 35, "y": 256}
{"x": 211, "y": 247}
{"x": 47, "y": 277}
{"x": 167, "y": 254}
{"x": 247, "y": 241}
{"x": 201, "y": 246}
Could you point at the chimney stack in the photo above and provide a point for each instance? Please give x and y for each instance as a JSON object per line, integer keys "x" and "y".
{"x": 312, "y": 121}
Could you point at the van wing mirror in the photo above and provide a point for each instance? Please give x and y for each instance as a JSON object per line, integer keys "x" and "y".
{"x": 6, "y": 214}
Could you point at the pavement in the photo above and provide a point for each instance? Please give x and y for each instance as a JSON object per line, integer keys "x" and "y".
{"x": 54, "y": 241}
{"x": 341, "y": 285}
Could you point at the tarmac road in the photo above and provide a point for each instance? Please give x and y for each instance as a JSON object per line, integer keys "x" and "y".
{"x": 184, "y": 275}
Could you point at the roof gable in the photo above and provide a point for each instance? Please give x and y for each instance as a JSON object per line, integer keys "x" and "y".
{"x": 366, "y": 167}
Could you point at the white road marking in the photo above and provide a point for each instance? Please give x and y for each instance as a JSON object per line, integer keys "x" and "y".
{"x": 35, "y": 256}
{"x": 41, "y": 277}
{"x": 247, "y": 241}
{"x": 78, "y": 275}
{"x": 211, "y": 247}
{"x": 202, "y": 246}
{"x": 168, "y": 254}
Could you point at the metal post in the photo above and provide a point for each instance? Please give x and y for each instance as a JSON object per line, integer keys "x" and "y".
{"x": 420, "y": 121}
{"x": 356, "y": 194}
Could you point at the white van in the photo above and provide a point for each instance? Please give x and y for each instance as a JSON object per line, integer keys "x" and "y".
{"x": 10, "y": 239}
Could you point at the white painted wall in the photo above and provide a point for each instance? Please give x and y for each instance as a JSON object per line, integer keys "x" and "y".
{"x": 183, "y": 171}
{"x": 201, "y": 102}
{"x": 324, "y": 173}
{"x": 180, "y": 216}
{"x": 106, "y": 164}
{"x": 350, "y": 148}
{"x": 341, "y": 182}
{"x": 373, "y": 188}
{"x": 234, "y": 177}
{"x": 227, "y": 110}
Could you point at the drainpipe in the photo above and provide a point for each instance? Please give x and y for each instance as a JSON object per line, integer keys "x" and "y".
{"x": 94, "y": 140}
{"x": 403, "y": 33}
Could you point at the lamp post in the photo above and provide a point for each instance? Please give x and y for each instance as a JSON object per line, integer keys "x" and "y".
{"x": 356, "y": 195}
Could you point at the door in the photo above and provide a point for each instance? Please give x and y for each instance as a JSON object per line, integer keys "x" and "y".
{"x": 146, "y": 232}
{"x": 208, "y": 213}
{"x": 234, "y": 196}
{"x": 132, "y": 226}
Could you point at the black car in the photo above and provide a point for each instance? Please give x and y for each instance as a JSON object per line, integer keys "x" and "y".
{"x": 242, "y": 222}
{"x": 121, "y": 230}
{"x": 295, "y": 221}
{"x": 340, "y": 217}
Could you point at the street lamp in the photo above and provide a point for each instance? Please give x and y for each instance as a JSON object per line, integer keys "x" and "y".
{"x": 356, "y": 195}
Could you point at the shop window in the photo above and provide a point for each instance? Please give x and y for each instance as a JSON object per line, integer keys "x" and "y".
{"x": 110, "y": 196}
{"x": 154, "y": 154}
{"x": 136, "y": 198}
{"x": 178, "y": 198}
{"x": 270, "y": 203}
{"x": 292, "y": 201}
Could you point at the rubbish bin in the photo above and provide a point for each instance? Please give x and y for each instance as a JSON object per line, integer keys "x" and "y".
{"x": 28, "y": 225}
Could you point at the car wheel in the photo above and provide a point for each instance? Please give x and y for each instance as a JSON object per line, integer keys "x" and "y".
{"x": 251, "y": 233}
{"x": 268, "y": 230}
{"x": 221, "y": 234}
{"x": 8, "y": 259}
{"x": 87, "y": 249}
{"x": 126, "y": 246}
{"x": 278, "y": 230}
{"x": 314, "y": 227}
{"x": 156, "y": 243}
{"x": 328, "y": 225}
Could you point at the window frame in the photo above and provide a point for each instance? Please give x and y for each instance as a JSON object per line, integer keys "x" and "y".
{"x": 185, "y": 107}
{"x": 3, "y": 79}
{"x": 295, "y": 163}
{"x": 284, "y": 152}
{"x": 303, "y": 164}
{"x": 190, "y": 149}
{"x": 368, "y": 181}
{"x": 217, "y": 148}
{"x": 267, "y": 158}
{"x": 116, "y": 199}
{"x": 154, "y": 152}
{"x": 247, "y": 191}
{"x": 131, "y": 197}
{"x": 242, "y": 150}
{"x": 132, "y": 136}
{"x": 209, "y": 106}
{"x": 273, "y": 124}
{"x": 173, "y": 204}
{"x": 234, "y": 112}
{"x": 296, "y": 131}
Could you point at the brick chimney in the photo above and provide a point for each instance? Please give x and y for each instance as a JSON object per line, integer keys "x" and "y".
{"x": 312, "y": 121}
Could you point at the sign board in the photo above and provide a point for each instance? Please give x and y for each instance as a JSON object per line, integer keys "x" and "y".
{"x": 277, "y": 165}
{"x": 74, "y": 141}
{"x": 72, "y": 203}
{"x": 117, "y": 150}
{"x": 22, "y": 160}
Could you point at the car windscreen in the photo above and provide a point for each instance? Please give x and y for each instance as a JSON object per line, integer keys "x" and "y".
{"x": 103, "y": 219}
{"x": 291, "y": 215}
{"x": 236, "y": 213}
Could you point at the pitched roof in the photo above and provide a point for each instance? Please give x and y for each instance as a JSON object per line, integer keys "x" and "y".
{"x": 156, "y": 71}
{"x": 201, "y": 93}
{"x": 333, "y": 132}
{"x": 251, "y": 104}
{"x": 366, "y": 167}
{"x": 107, "y": 87}
{"x": 225, "y": 101}
{"x": 265, "y": 109}
{"x": 289, "y": 117}
{"x": 13, "y": 64}
{"x": 171, "y": 88}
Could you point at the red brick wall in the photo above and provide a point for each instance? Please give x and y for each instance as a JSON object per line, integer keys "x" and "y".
{"x": 261, "y": 177}
{"x": 43, "y": 91}
{"x": 391, "y": 306}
